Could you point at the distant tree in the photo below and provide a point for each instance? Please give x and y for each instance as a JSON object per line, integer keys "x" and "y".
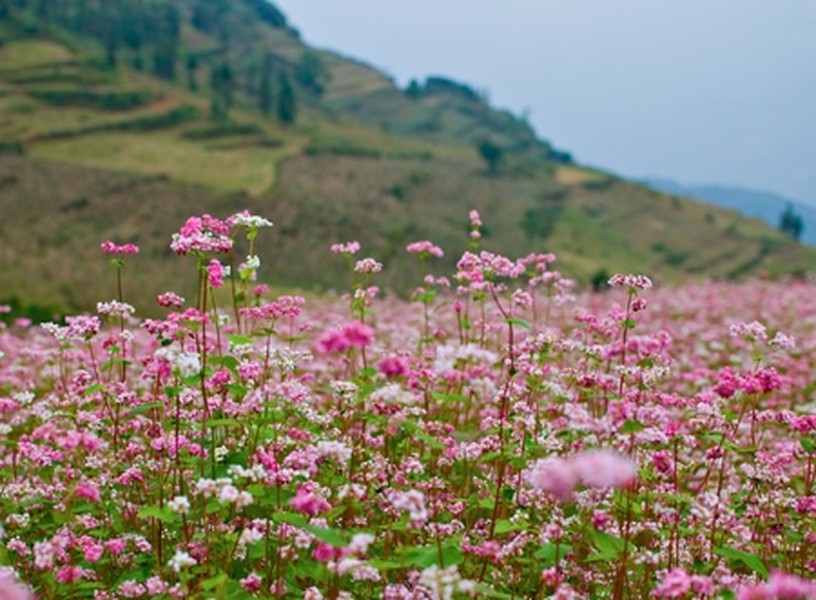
{"x": 413, "y": 90}
{"x": 265, "y": 98}
{"x": 287, "y": 105}
{"x": 492, "y": 154}
{"x": 221, "y": 86}
{"x": 192, "y": 68}
{"x": 791, "y": 223}
{"x": 311, "y": 73}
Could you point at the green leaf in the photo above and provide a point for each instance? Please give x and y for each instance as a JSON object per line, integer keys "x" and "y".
{"x": 385, "y": 565}
{"x": 333, "y": 537}
{"x": 548, "y": 552}
{"x": 143, "y": 408}
{"x": 213, "y": 582}
{"x": 808, "y": 445}
{"x": 237, "y": 339}
{"x": 752, "y": 561}
{"x": 426, "y": 556}
{"x": 222, "y": 422}
{"x": 162, "y": 514}
{"x": 630, "y": 324}
{"x": 520, "y": 322}
{"x": 488, "y": 592}
{"x": 630, "y": 426}
{"x": 607, "y": 544}
{"x": 601, "y": 557}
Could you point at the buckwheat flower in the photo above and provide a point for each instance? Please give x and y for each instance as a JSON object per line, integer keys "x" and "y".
{"x": 604, "y": 469}
{"x": 782, "y": 342}
{"x": 131, "y": 589}
{"x": 367, "y": 265}
{"x": 309, "y": 502}
{"x": 11, "y": 588}
{"x": 412, "y": 501}
{"x": 202, "y": 234}
{"x": 676, "y": 584}
{"x": 170, "y": 300}
{"x": 181, "y": 560}
{"x": 347, "y": 248}
{"x": 111, "y": 248}
{"x": 228, "y": 494}
{"x": 360, "y": 542}
{"x": 253, "y": 261}
{"x": 751, "y": 332}
{"x": 245, "y": 219}
{"x": 337, "y": 450}
{"x": 87, "y": 491}
{"x": 215, "y": 274}
{"x": 251, "y": 583}
{"x": 312, "y": 593}
{"x": 555, "y": 476}
{"x": 43, "y": 555}
{"x": 179, "y": 504}
{"x": 114, "y": 308}
{"x": 780, "y": 586}
{"x": 475, "y": 219}
{"x": 633, "y": 282}
{"x": 425, "y": 248}
{"x": 393, "y": 366}
{"x": 82, "y": 326}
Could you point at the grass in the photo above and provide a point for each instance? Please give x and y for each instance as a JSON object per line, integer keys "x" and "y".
{"x": 26, "y": 54}
{"x": 251, "y": 169}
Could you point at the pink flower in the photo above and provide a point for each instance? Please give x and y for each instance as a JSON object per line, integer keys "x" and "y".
{"x": 347, "y": 248}
{"x": 309, "y": 503}
{"x": 633, "y": 282}
{"x": 111, "y": 248}
{"x": 393, "y": 366}
{"x": 170, "y": 300}
{"x": 69, "y": 574}
{"x": 11, "y": 588}
{"x": 251, "y": 583}
{"x": 555, "y": 476}
{"x": 353, "y": 334}
{"x": 780, "y": 586}
{"x": 425, "y": 248}
{"x": 604, "y": 469}
{"x": 87, "y": 491}
{"x": 676, "y": 584}
{"x": 215, "y": 274}
{"x": 367, "y": 265}
{"x": 597, "y": 468}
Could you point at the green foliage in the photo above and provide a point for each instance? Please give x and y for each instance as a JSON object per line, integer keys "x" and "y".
{"x": 287, "y": 105}
{"x": 492, "y": 154}
{"x": 790, "y": 223}
{"x": 105, "y": 100}
{"x": 311, "y": 73}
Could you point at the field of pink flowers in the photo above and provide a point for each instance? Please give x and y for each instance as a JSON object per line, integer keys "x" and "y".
{"x": 500, "y": 435}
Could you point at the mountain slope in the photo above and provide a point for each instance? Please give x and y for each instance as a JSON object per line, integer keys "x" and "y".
{"x": 108, "y": 138}
{"x": 753, "y": 203}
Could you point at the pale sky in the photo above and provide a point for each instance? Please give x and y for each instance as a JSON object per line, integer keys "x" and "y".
{"x": 699, "y": 91}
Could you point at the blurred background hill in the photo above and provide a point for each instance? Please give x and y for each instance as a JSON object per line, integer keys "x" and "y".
{"x": 120, "y": 118}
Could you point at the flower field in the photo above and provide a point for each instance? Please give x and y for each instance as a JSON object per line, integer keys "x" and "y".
{"x": 499, "y": 435}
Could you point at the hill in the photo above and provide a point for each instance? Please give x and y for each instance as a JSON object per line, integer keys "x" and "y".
{"x": 753, "y": 203}
{"x": 119, "y": 119}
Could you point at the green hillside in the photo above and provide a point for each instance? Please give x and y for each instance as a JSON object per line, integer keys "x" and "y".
{"x": 119, "y": 119}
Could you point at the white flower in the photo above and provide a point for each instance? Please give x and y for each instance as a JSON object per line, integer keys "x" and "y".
{"x": 179, "y": 504}
{"x": 181, "y": 560}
